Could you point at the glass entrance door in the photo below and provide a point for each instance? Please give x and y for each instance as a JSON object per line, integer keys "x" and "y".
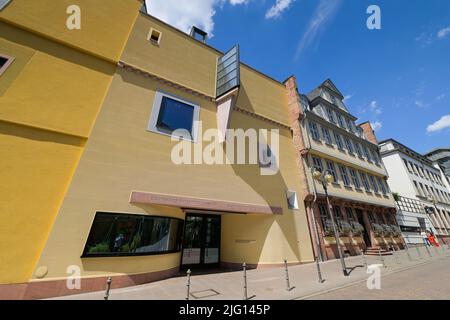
{"x": 201, "y": 242}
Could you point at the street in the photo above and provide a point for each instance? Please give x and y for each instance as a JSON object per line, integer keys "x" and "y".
{"x": 419, "y": 276}
{"x": 428, "y": 281}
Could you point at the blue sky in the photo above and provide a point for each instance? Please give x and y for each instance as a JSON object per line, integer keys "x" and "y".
{"x": 397, "y": 77}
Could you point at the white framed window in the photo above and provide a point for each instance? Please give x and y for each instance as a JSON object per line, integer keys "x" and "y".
{"x": 174, "y": 116}
{"x": 4, "y": 3}
{"x": 327, "y": 136}
{"x": 292, "y": 199}
{"x": 154, "y": 36}
{"x": 314, "y": 131}
{"x": 5, "y": 62}
{"x": 344, "y": 175}
{"x": 339, "y": 142}
{"x": 317, "y": 164}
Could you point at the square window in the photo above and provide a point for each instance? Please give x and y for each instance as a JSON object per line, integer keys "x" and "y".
{"x": 154, "y": 36}
{"x": 4, "y": 3}
{"x": 174, "y": 116}
{"x": 5, "y": 62}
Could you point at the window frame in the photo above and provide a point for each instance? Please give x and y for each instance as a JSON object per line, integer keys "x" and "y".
{"x": 331, "y": 167}
{"x": 156, "y": 109}
{"x": 85, "y": 254}
{"x": 314, "y": 130}
{"x": 327, "y": 136}
{"x": 344, "y": 175}
{"x": 355, "y": 178}
{"x": 9, "y": 61}
{"x": 339, "y": 142}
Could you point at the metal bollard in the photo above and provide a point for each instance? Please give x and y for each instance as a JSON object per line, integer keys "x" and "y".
{"x": 188, "y": 293}
{"x": 364, "y": 258}
{"x": 418, "y": 252}
{"x": 319, "y": 273}
{"x": 108, "y": 287}
{"x": 288, "y": 285}
{"x": 244, "y": 267}
{"x": 395, "y": 255}
{"x": 381, "y": 257}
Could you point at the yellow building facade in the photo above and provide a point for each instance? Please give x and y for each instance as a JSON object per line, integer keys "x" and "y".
{"x": 121, "y": 206}
{"x": 52, "y": 86}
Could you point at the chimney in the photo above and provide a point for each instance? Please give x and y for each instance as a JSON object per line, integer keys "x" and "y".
{"x": 368, "y": 132}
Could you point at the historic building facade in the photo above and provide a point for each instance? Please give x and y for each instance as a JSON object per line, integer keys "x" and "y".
{"x": 134, "y": 211}
{"x": 328, "y": 140}
{"x": 424, "y": 198}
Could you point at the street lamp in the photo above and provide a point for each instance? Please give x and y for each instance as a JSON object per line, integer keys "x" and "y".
{"x": 325, "y": 178}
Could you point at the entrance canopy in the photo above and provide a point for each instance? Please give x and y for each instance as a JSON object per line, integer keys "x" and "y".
{"x": 201, "y": 204}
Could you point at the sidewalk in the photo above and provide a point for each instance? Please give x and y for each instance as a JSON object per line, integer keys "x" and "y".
{"x": 270, "y": 283}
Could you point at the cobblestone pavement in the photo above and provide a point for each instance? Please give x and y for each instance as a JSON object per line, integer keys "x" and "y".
{"x": 418, "y": 275}
{"x": 428, "y": 281}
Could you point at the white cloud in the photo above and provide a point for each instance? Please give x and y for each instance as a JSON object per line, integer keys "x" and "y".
{"x": 348, "y": 97}
{"x": 278, "y": 8}
{"x": 443, "y": 33}
{"x": 421, "y": 104}
{"x": 425, "y": 39}
{"x": 440, "y": 97}
{"x": 377, "y": 125}
{"x": 324, "y": 12}
{"x": 439, "y": 125}
{"x": 375, "y": 108}
{"x": 185, "y": 14}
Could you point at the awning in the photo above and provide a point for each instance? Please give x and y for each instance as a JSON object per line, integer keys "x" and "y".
{"x": 201, "y": 204}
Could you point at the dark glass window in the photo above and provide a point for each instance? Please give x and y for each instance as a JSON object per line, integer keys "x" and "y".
{"x": 126, "y": 234}
{"x": 317, "y": 162}
{"x": 174, "y": 115}
{"x": 3, "y": 61}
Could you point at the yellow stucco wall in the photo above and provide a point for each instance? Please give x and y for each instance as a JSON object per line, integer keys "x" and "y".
{"x": 35, "y": 168}
{"x": 105, "y": 24}
{"x": 122, "y": 156}
{"x": 49, "y": 99}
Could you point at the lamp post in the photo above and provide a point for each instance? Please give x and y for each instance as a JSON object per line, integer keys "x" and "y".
{"x": 325, "y": 178}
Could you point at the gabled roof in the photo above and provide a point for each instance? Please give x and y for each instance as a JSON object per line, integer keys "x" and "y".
{"x": 331, "y": 86}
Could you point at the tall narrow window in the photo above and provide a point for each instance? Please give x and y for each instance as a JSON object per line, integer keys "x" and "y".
{"x": 339, "y": 142}
{"x": 365, "y": 181}
{"x": 382, "y": 186}
{"x": 5, "y": 62}
{"x": 341, "y": 121}
{"x": 332, "y": 170}
{"x": 367, "y": 153}
{"x": 327, "y": 136}
{"x": 344, "y": 175}
{"x": 317, "y": 163}
{"x": 374, "y": 184}
{"x": 349, "y": 145}
{"x": 314, "y": 131}
{"x": 358, "y": 149}
{"x": 355, "y": 178}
